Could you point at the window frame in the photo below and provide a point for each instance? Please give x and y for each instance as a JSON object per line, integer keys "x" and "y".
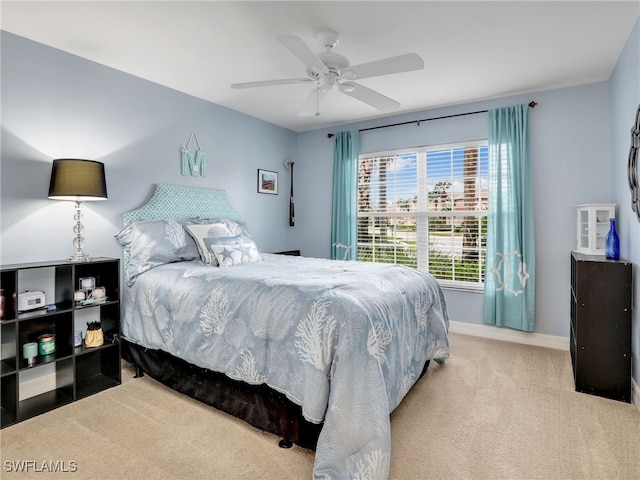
{"x": 422, "y": 190}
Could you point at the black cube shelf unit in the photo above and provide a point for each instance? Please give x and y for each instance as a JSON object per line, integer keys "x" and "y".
{"x": 70, "y": 373}
{"x": 600, "y": 340}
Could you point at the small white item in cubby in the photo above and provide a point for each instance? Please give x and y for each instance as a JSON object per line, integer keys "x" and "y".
{"x": 593, "y": 226}
{"x": 97, "y": 295}
{"x": 87, "y": 284}
{"x": 79, "y": 296}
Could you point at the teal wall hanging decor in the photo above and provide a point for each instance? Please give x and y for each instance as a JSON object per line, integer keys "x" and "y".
{"x": 195, "y": 167}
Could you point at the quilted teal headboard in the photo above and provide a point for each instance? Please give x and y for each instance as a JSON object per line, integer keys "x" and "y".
{"x": 181, "y": 201}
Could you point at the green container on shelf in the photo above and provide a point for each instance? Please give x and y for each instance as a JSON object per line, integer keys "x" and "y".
{"x": 47, "y": 344}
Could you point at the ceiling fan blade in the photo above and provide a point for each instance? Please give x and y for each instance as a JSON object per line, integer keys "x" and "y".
{"x": 300, "y": 50}
{"x": 268, "y": 83}
{"x": 386, "y": 66}
{"x": 311, "y": 106}
{"x": 370, "y": 97}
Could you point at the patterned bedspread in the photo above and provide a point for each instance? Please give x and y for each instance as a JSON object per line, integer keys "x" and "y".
{"x": 344, "y": 340}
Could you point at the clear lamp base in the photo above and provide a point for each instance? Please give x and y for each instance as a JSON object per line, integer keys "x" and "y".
{"x": 78, "y": 241}
{"x": 79, "y": 256}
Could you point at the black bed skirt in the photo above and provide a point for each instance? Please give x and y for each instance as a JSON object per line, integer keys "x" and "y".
{"x": 258, "y": 405}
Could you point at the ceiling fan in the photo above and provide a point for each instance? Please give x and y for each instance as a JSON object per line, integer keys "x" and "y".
{"x": 329, "y": 69}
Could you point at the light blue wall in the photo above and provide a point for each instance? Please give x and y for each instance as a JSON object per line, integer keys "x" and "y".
{"x": 570, "y": 149}
{"x": 58, "y": 105}
{"x": 624, "y": 98}
{"x": 55, "y": 105}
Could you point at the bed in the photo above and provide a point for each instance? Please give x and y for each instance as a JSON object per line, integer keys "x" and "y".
{"x": 317, "y": 351}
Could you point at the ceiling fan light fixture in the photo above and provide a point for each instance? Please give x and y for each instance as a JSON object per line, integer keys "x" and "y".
{"x": 328, "y": 38}
{"x": 314, "y": 73}
{"x": 347, "y": 87}
{"x": 348, "y": 75}
{"x": 328, "y": 69}
{"x": 334, "y": 61}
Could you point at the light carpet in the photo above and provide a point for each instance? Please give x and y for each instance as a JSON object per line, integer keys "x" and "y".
{"x": 494, "y": 410}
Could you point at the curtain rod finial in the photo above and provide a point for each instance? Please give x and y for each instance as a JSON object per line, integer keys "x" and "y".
{"x": 330, "y": 135}
{"x": 532, "y": 104}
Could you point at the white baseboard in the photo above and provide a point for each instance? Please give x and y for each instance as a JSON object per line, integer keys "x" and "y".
{"x": 508, "y": 335}
{"x": 635, "y": 394}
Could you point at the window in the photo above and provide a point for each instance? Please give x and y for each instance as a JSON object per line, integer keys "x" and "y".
{"x": 426, "y": 208}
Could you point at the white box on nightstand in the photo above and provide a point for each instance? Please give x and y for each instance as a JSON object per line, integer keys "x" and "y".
{"x": 593, "y": 226}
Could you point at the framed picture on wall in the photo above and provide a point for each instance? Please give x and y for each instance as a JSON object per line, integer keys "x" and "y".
{"x": 267, "y": 182}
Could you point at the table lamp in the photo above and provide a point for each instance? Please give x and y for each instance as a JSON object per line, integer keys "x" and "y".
{"x": 79, "y": 181}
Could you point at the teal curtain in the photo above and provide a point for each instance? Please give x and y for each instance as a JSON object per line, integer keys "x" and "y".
{"x": 344, "y": 212}
{"x": 509, "y": 288}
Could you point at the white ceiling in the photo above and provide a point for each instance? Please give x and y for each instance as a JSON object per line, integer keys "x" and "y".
{"x": 472, "y": 50}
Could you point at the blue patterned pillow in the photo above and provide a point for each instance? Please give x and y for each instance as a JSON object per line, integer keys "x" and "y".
{"x": 236, "y": 254}
{"x": 218, "y": 232}
{"x": 151, "y": 243}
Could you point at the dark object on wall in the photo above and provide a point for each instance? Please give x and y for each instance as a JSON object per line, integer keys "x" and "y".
{"x": 634, "y": 174}
{"x": 292, "y": 220}
{"x": 267, "y": 181}
{"x": 288, "y": 164}
{"x": 600, "y": 341}
{"x": 532, "y": 104}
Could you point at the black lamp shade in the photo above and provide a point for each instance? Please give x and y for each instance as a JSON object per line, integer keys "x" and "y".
{"x": 77, "y": 180}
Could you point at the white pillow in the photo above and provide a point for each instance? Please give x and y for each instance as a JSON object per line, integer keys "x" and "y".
{"x": 222, "y": 231}
{"x": 236, "y": 254}
{"x": 207, "y": 231}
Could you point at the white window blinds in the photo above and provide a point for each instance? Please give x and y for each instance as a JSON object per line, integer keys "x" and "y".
{"x": 426, "y": 208}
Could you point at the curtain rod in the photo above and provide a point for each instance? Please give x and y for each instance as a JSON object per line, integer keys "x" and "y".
{"x": 532, "y": 104}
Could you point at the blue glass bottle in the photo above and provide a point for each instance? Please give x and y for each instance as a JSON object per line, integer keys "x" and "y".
{"x": 612, "y": 243}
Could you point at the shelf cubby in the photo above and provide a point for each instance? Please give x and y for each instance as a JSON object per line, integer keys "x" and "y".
{"x": 70, "y": 373}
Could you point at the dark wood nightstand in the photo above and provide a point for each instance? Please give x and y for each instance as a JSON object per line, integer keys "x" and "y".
{"x": 294, "y": 253}
{"x": 600, "y": 340}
